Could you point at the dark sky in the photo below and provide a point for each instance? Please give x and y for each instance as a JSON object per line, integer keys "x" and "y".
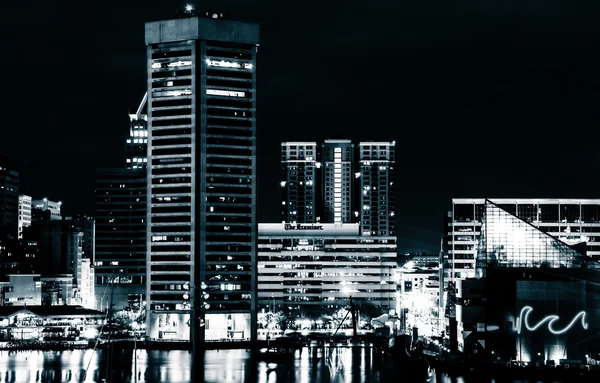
{"x": 495, "y": 98}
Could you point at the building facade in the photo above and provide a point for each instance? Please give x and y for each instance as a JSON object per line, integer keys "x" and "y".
{"x": 20, "y": 290}
{"x": 299, "y": 183}
{"x": 338, "y": 181}
{"x": 25, "y": 207}
{"x": 54, "y": 207}
{"x": 201, "y": 179}
{"x": 312, "y": 270}
{"x": 535, "y": 299}
{"x": 120, "y": 255}
{"x": 570, "y": 220}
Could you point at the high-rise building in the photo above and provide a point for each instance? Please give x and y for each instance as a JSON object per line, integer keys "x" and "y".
{"x": 298, "y": 183}
{"x": 338, "y": 168}
{"x": 137, "y": 138}
{"x": 571, "y": 221}
{"x": 342, "y": 182}
{"x": 25, "y": 207}
{"x": 120, "y": 264}
{"x": 201, "y": 179}
{"x": 9, "y": 198}
{"x": 120, "y": 258}
{"x": 376, "y": 179}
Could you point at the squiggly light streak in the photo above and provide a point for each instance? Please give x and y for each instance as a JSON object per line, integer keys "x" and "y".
{"x": 524, "y": 315}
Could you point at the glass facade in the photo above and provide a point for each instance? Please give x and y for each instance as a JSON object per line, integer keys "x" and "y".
{"x": 508, "y": 241}
{"x": 571, "y": 221}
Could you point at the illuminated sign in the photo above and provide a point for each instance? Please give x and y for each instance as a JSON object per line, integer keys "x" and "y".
{"x": 522, "y": 320}
{"x": 228, "y": 93}
{"x": 308, "y": 230}
{"x": 289, "y": 226}
{"x": 229, "y": 64}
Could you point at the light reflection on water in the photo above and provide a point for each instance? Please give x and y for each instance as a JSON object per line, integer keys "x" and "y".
{"x": 310, "y": 364}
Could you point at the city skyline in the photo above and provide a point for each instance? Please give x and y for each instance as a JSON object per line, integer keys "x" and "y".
{"x": 471, "y": 108}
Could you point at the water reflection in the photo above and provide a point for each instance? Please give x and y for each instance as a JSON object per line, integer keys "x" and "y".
{"x": 310, "y": 364}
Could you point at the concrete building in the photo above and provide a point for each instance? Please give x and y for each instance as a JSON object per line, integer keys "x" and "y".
{"x": 312, "y": 270}
{"x": 46, "y": 205}
{"x": 340, "y": 182}
{"x": 298, "y": 182}
{"x": 377, "y": 207}
{"x": 201, "y": 179}
{"x": 570, "y": 220}
{"x": 9, "y": 198}
{"x": 120, "y": 255}
{"x": 58, "y": 290}
{"x": 20, "y": 290}
{"x": 25, "y": 207}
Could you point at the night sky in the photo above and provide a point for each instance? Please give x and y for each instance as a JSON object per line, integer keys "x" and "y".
{"x": 495, "y": 98}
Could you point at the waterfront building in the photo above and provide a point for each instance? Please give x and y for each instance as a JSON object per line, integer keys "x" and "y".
{"x": 9, "y": 198}
{"x": 49, "y": 323}
{"x": 338, "y": 187}
{"x": 419, "y": 299}
{"x": 535, "y": 298}
{"x": 120, "y": 235}
{"x": 25, "y": 207}
{"x": 310, "y": 271}
{"x": 570, "y": 220}
{"x": 201, "y": 244}
{"x": 20, "y": 290}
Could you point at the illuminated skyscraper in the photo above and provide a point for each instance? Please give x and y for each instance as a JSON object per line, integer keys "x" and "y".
{"x": 202, "y": 224}
{"x": 340, "y": 182}
{"x": 298, "y": 183}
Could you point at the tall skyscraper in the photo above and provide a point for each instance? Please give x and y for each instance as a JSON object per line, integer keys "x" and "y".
{"x": 201, "y": 179}
{"x": 338, "y": 169}
{"x": 9, "y": 198}
{"x": 347, "y": 183}
{"x": 298, "y": 184}
{"x": 377, "y": 202}
{"x": 121, "y": 211}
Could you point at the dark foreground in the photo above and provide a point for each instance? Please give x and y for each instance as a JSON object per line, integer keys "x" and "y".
{"x": 309, "y": 364}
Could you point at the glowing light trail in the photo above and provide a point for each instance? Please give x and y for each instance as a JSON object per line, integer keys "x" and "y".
{"x": 550, "y": 319}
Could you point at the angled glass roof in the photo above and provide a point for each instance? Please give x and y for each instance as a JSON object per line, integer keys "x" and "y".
{"x": 507, "y": 241}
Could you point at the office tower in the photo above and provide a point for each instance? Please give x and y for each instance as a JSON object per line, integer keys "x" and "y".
{"x": 120, "y": 258}
{"x": 9, "y": 198}
{"x": 377, "y": 202}
{"x": 25, "y": 207}
{"x": 349, "y": 183}
{"x": 87, "y": 227}
{"x": 137, "y": 138}
{"x": 202, "y": 179}
{"x": 338, "y": 168}
{"x": 45, "y": 205}
{"x": 298, "y": 184}
{"x": 572, "y": 221}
